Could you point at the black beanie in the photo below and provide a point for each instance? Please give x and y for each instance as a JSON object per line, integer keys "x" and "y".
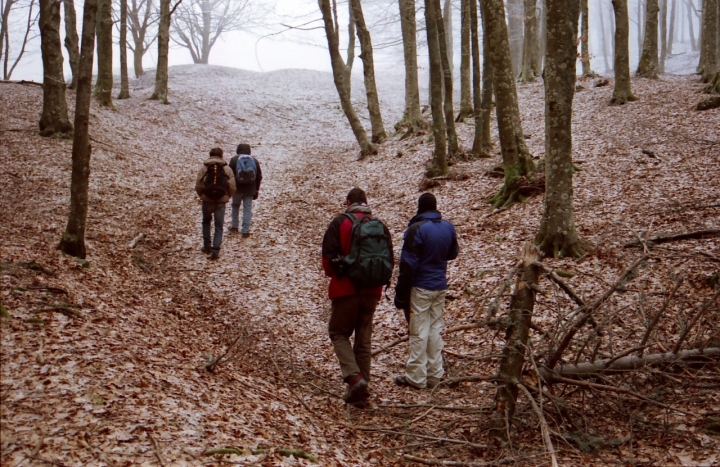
{"x": 426, "y": 202}
{"x": 243, "y": 149}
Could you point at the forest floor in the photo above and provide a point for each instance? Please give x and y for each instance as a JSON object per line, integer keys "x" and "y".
{"x": 104, "y": 363}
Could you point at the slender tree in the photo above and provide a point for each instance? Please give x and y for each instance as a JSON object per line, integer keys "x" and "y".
{"x": 141, "y": 17}
{"x": 373, "y": 101}
{"x": 72, "y": 41}
{"x": 585, "y": 36}
{"x": 516, "y": 25}
{"x": 54, "y": 118}
{"x": 648, "y": 67}
{"x": 708, "y": 65}
{"x": 73, "y": 239}
{"x": 530, "y": 70}
{"x": 412, "y": 117}
{"x": 161, "y": 74}
{"x": 606, "y": 54}
{"x": 517, "y": 160}
{"x": 124, "y": 80}
{"x": 690, "y": 8}
{"x": 671, "y": 32}
{"x": 104, "y": 83}
{"x": 622, "y": 92}
{"x": 32, "y": 18}
{"x": 477, "y": 149}
{"x": 439, "y": 165}
{"x": 487, "y": 94}
{"x": 350, "y": 60}
{"x": 447, "y": 17}
{"x": 466, "y": 99}
{"x": 663, "y": 36}
{"x": 452, "y": 139}
{"x": 338, "y": 67}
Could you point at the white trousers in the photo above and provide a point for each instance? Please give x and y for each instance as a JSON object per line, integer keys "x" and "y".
{"x": 426, "y": 344}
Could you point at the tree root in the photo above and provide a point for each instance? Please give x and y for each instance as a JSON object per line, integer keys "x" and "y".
{"x": 298, "y": 453}
{"x": 697, "y": 234}
{"x": 518, "y": 191}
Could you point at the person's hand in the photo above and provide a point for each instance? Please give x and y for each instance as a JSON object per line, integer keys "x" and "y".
{"x": 255, "y": 196}
{"x": 399, "y": 304}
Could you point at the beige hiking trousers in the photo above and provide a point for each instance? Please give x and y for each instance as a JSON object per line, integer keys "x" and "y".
{"x": 426, "y": 344}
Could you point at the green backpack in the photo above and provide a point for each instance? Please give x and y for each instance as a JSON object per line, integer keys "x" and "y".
{"x": 369, "y": 262}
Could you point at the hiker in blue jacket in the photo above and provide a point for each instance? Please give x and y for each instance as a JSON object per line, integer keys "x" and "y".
{"x": 248, "y": 187}
{"x": 429, "y": 243}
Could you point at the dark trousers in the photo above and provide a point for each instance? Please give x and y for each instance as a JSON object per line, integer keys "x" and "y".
{"x": 353, "y": 314}
{"x": 210, "y": 211}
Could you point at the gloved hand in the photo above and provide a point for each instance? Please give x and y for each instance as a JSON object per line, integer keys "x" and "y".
{"x": 339, "y": 266}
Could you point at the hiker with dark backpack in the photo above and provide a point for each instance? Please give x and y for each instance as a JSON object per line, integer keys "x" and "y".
{"x": 428, "y": 244}
{"x": 357, "y": 255}
{"x": 248, "y": 176}
{"x": 215, "y": 184}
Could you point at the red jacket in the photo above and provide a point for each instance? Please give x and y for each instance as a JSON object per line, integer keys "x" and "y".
{"x": 336, "y": 242}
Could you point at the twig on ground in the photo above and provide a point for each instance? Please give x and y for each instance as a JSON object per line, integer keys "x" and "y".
{"x": 545, "y": 431}
{"x": 683, "y": 236}
{"x": 507, "y": 460}
{"x": 694, "y": 320}
{"x": 656, "y": 318}
{"x": 217, "y": 361}
{"x": 158, "y": 454}
{"x": 415, "y": 435}
{"x": 136, "y": 240}
{"x": 495, "y": 304}
{"x": 67, "y": 310}
{"x": 263, "y": 109}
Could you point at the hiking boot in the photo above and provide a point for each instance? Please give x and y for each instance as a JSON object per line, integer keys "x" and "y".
{"x": 245, "y": 234}
{"x": 357, "y": 389}
{"x": 205, "y": 249}
{"x": 233, "y": 230}
{"x": 214, "y": 255}
{"x": 361, "y": 404}
{"x": 432, "y": 382}
{"x": 402, "y": 381}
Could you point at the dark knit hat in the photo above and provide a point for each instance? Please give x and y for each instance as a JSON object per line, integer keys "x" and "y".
{"x": 243, "y": 149}
{"x": 426, "y": 202}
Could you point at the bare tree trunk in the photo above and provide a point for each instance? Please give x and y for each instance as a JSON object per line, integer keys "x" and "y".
{"x": 72, "y": 42}
{"x": 446, "y": 15}
{"x": 528, "y": 74}
{"x": 558, "y": 236}
{"x": 622, "y": 92}
{"x": 73, "y": 239}
{"x": 585, "y": 46}
{"x": 412, "y": 117}
{"x": 54, "y": 118}
{"x": 517, "y": 160}
{"x": 466, "y": 100}
{"x": 138, "y": 53}
{"x": 350, "y": 61}
{"x": 516, "y": 338}
{"x": 206, "y": 8}
{"x": 663, "y": 36}
{"x": 477, "y": 148}
{"x": 104, "y": 83}
{"x": 487, "y": 95}
{"x": 709, "y": 42}
{"x": 338, "y": 66}
{"x": 516, "y": 24}
{"x": 648, "y": 67}
{"x": 693, "y": 44}
{"x": 439, "y": 164}
{"x": 124, "y": 80}
{"x": 606, "y": 54}
{"x": 452, "y": 139}
{"x": 542, "y": 37}
{"x": 641, "y": 23}
{"x": 161, "y": 74}
{"x": 671, "y": 33}
{"x": 373, "y": 102}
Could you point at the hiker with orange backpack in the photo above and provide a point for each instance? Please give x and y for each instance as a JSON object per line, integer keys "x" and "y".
{"x": 215, "y": 184}
{"x": 357, "y": 255}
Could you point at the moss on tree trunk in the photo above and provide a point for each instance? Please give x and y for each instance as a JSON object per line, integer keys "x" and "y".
{"x": 648, "y": 66}
{"x": 104, "y": 83}
{"x": 622, "y": 93}
{"x": 54, "y": 118}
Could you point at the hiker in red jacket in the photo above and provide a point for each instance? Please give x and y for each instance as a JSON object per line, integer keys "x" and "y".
{"x": 352, "y": 307}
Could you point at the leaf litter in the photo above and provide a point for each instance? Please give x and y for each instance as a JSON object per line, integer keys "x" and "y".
{"x": 125, "y": 382}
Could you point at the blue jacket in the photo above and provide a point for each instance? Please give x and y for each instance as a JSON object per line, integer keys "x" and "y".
{"x": 429, "y": 243}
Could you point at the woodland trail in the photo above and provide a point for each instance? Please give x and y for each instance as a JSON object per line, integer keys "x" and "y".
{"x": 127, "y": 383}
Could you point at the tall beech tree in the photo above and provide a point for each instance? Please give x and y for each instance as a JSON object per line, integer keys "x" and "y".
{"x": 366, "y": 55}
{"x": 124, "y": 79}
{"x": 161, "y": 74}
{"x": 487, "y": 94}
{"x": 54, "y": 118}
{"x": 73, "y": 239}
{"x": 477, "y": 148}
{"x": 104, "y": 83}
{"x": 708, "y": 65}
{"x": 466, "y": 98}
{"x": 662, "y": 20}
{"x": 445, "y": 51}
{"x": 141, "y": 17}
{"x": 72, "y": 41}
{"x": 339, "y": 76}
{"x": 530, "y": 69}
{"x": 558, "y": 236}
{"x": 585, "y": 44}
{"x": 412, "y": 116}
{"x": 438, "y": 165}
{"x": 517, "y": 160}
{"x": 622, "y": 92}
{"x": 648, "y": 66}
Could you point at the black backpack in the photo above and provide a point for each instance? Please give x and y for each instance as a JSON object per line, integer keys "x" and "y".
{"x": 369, "y": 262}
{"x": 215, "y": 181}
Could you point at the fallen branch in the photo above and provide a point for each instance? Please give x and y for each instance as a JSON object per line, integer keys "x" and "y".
{"x": 471, "y": 378}
{"x": 157, "y": 448}
{"x": 656, "y": 318}
{"x": 552, "y": 275}
{"x": 420, "y": 460}
{"x": 694, "y": 320}
{"x": 544, "y": 430}
{"x": 140, "y": 237}
{"x": 415, "y": 435}
{"x": 457, "y": 328}
{"x": 624, "y": 364}
{"x": 672, "y": 238}
{"x": 67, "y": 310}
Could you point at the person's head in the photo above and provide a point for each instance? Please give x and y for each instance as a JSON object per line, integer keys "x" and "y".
{"x": 243, "y": 149}
{"x": 426, "y": 202}
{"x": 216, "y": 152}
{"x": 356, "y": 195}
